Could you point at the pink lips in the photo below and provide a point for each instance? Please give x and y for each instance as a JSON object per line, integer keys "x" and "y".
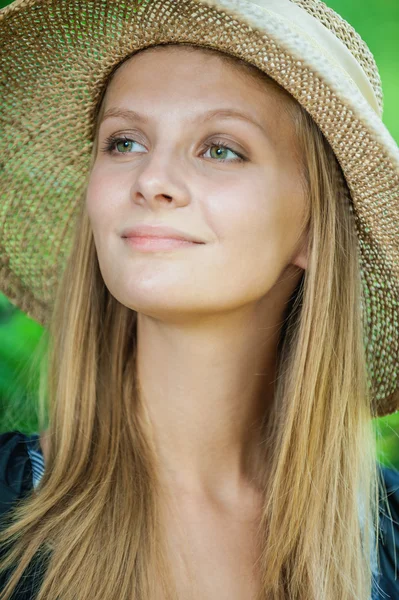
{"x": 154, "y": 244}
{"x": 157, "y": 237}
{"x": 160, "y": 231}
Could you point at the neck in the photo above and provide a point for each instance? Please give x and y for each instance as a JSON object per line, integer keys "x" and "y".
{"x": 206, "y": 388}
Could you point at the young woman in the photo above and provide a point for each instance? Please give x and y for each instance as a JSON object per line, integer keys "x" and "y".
{"x": 210, "y": 204}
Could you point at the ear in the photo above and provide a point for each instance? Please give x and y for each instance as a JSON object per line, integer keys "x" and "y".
{"x": 300, "y": 258}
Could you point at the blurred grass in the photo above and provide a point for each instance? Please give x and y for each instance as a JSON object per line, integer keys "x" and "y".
{"x": 19, "y": 372}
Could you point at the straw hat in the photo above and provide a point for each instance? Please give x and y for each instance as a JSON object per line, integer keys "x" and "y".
{"x": 55, "y": 57}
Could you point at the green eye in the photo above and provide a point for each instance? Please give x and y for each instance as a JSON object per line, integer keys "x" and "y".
{"x": 118, "y": 145}
{"x": 220, "y": 152}
{"x": 124, "y": 145}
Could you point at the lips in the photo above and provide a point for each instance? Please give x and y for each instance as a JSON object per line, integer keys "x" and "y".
{"x": 160, "y": 231}
{"x": 158, "y": 244}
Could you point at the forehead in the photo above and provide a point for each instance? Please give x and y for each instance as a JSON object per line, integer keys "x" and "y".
{"x": 192, "y": 76}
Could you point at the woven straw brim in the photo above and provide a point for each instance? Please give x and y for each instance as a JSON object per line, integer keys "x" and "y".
{"x": 55, "y": 57}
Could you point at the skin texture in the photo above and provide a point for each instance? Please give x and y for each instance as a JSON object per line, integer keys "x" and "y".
{"x": 209, "y": 315}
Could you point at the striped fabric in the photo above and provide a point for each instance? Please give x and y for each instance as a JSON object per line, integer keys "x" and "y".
{"x": 36, "y": 457}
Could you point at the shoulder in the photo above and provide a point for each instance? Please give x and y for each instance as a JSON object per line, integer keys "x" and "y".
{"x": 388, "y": 581}
{"x": 21, "y": 465}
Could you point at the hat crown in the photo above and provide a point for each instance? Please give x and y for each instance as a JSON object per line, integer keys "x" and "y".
{"x": 348, "y": 36}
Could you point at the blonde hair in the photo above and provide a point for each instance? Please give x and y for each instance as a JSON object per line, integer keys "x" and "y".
{"x": 97, "y": 509}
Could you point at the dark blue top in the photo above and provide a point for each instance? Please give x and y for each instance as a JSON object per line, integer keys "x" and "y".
{"x": 22, "y": 466}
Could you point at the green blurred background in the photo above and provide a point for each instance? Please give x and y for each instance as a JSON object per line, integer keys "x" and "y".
{"x": 377, "y": 22}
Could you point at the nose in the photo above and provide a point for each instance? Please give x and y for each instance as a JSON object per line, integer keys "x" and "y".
{"x": 161, "y": 179}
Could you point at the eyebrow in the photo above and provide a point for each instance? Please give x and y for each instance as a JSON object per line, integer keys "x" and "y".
{"x": 222, "y": 113}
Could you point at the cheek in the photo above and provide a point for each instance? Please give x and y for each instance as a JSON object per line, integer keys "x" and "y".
{"x": 247, "y": 216}
{"x": 104, "y": 195}
{"x": 258, "y": 224}
{"x": 102, "y": 212}
{"x": 243, "y": 221}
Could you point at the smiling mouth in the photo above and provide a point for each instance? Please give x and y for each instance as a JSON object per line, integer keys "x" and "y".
{"x": 155, "y": 244}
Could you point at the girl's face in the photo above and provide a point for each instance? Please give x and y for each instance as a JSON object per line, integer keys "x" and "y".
{"x": 209, "y": 151}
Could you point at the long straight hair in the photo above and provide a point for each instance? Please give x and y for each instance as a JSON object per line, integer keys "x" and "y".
{"x": 93, "y": 526}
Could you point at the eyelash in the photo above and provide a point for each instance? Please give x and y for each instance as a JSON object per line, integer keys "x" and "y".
{"x": 111, "y": 141}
